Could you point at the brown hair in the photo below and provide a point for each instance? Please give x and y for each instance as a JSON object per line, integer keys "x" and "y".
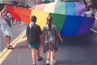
{"x": 33, "y": 18}
{"x": 49, "y": 19}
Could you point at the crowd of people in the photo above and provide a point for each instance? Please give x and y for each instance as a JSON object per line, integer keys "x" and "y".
{"x": 90, "y": 12}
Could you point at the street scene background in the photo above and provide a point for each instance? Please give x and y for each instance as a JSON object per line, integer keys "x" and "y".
{"x": 75, "y": 50}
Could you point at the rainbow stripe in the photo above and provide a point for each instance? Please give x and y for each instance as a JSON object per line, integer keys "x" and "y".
{"x": 90, "y": 5}
{"x": 66, "y": 8}
{"x": 67, "y": 25}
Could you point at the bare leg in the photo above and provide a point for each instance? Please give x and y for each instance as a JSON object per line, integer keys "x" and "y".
{"x": 12, "y": 20}
{"x": 38, "y": 53}
{"x": 16, "y": 21}
{"x": 48, "y": 55}
{"x": 53, "y": 55}
{"x": 34, "y": 55}
{"x": 8, "y": 40}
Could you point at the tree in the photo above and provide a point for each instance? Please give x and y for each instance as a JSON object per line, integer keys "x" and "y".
{"x": 46, "y": 1}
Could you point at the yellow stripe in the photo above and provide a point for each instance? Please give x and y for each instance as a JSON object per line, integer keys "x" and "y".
{"x": 21, "y": 38}
{"x": 41, "y": 17}
{"x": 50, "y": 7}
{"x": 51, "y": 59}
{"x": 8, "y": 51}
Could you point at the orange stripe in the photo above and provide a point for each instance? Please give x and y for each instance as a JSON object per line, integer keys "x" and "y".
{"x": 20, "y": 14}
{"x": 40, "y": 7}
{"x": 89, "y": 3}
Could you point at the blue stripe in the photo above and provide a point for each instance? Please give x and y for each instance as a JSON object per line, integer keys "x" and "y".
{"x": 70, "y": 8}
{"x": 71, "y": 25}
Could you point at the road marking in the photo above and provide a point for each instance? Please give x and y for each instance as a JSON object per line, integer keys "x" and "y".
{"x": 51, "y": 59}
{"x": 93, "y": 30}
{"x": 6, "y": 52}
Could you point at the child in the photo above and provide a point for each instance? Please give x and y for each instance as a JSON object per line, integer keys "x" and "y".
{"x": 50, "y": 33}
{"x": 33, "y": 37}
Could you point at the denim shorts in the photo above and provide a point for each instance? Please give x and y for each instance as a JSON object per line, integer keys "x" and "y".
{"x": 36, "y": 46}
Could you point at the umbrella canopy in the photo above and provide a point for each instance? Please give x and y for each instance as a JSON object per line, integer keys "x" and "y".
{"x": 66, "y": 8}
{"x": 67, "y": 25}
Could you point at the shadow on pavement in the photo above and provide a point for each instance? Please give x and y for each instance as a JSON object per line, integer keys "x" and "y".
{"x": 80, "y": 40}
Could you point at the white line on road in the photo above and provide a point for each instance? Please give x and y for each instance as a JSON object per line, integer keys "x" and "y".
{"x": 93, "y": 30}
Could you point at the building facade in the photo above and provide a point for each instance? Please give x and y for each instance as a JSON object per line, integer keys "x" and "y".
{"x": 30, "y": 3}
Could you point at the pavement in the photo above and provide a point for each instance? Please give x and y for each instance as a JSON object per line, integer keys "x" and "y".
{"x": 75, "y": 50}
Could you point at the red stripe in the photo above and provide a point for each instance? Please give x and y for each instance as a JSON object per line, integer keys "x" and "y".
{"x": 20, "y": 14}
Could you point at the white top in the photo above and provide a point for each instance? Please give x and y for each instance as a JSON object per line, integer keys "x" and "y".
{"x": 31, "y": 24}
{"x": 88, "y": 14}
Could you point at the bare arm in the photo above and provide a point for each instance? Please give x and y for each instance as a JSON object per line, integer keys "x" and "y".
{"x": 42, "y": 39}
{"x": 3, "y": 9}
{"x": 60, "y": 37}
{"x": 5, "y": 13}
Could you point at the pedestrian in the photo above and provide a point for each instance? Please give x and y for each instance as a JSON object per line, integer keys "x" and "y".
{"x": 51, "y": 35}
{"x": 96, "y": 16}
{"x": 94, "y": 11}
{"x": 33, "y": 37}
{"x": 89, "y": 13}
{"x": 4, "y": 28}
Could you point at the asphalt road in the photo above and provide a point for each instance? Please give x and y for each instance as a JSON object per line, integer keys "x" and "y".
{"x": 75, "y": 50}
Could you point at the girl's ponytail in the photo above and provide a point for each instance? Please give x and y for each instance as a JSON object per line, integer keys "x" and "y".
{"x": 49, "y": 19}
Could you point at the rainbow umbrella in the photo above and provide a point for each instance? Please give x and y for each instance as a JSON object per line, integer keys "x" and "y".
{"x": 66, "y": 8}
{"x": 67, "y": 25}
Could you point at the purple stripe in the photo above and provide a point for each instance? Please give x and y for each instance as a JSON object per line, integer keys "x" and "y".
{"x": 86, "y": 25}
{"x": 80, "y": 9}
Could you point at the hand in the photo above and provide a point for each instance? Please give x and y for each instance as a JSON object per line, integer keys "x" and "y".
{"x": 42, "y": 41}
{"x": 61, "y": 40}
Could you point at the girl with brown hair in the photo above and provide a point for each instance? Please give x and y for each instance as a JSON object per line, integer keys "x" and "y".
{"x": 51, "y": 35}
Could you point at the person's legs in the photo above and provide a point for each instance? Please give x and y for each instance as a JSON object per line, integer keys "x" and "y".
{"x": 12, "y": 21}
{"x": 48, "y": 55}
{"x": 8, "y": 40}
{"x": 34, "y": 55}
{"x": 15, "y": 21}
{"x": 38, "y": 53}
{"x": 53, "y": 58}
{"x": 37, "y": 46}
{"x": 53, "y": 55}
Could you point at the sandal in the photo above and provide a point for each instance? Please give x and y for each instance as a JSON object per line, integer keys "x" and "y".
{"x": 10, "y": 47}
{"x": 40, "y": 59}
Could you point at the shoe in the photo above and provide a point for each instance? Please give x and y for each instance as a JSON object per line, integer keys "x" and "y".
{"x": 10, "y": 47}
{"x": 47, "y": 62}
{"x": 54, "y": 62}
{"x": 40, "y": 59}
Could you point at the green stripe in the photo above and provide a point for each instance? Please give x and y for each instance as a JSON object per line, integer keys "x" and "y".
{"x": 60, "y": 8}
{"x": 58, "y": 20}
